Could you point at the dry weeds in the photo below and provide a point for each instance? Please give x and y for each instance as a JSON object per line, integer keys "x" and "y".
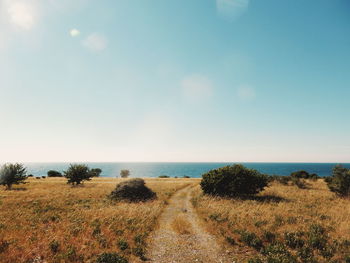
{"x": 50, "y": 221}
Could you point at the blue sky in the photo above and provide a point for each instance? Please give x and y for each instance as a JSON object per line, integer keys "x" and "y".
{"x": 185, "y": 80}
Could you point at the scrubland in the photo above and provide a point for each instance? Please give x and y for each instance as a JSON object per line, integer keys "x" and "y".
{"x": 47, "y": 220}
{"x": 282, "y": 224}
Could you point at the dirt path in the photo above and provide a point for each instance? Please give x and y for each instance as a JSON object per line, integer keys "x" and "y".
{"x": 181, "y": 238}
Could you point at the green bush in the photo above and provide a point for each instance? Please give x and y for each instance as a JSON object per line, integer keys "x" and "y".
{"x": 124, "y": 173}
{"x": 77, "y": 173}
{"x": 231, "y": 181}
{"x": 53, "y": 173}
{"x": 294, "y": 239}
{"x": 339, "y": 182}
{"x": 163, "y": 176}
{"x": 278, "y": 253}
{"x": 96, "y": 172}
{"x": 133, "y": 190}
{"x": 110, "y": 258}
{"x": 12, "y": 174}
{"x": 251, "y": 240}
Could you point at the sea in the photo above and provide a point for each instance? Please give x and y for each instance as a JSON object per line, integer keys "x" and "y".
{"x": 194, "y": 170}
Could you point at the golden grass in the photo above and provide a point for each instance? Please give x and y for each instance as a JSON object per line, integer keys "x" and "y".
{"x": 78, "y": 222}
{"x": 279, "y": 209}
{"x": 181, "y": 225}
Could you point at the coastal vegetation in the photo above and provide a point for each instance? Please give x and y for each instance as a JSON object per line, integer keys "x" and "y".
{"x": 50, "y": 222}
{"x": 235, "y": 180}
{"x": 256, "y": 218}
{"x": 11, "y": 174}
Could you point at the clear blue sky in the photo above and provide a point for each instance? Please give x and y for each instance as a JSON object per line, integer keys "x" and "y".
{"x": 184, "y": 80}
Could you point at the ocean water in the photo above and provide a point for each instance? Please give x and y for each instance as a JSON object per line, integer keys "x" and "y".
{"x": 182, "y": 169}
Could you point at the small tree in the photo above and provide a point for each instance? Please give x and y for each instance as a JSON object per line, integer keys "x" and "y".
{"x": 235, "y": 180}
{"x": 124, "y": 173}
{"x": 12, "y": 174}
{"x": 77, "y": 173}
{"x": 53, "y": 173}
{"x": 339, "y": 182}
{"x": 96, "y": 172}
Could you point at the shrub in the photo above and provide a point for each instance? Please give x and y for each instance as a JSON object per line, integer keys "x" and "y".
{"x": 294, "y": 239}
{"x": 278, "y": 253}
{"x": 123, "y": 245}
{"x": 96, "y": 172}
{"x": 53, "y": 173}
{"x": 251, "y": 240}
{"x": 235, "y": 180}
{"x": 110, "y": 258}
{"x": 78, "y": 173}
{"x": 12, "y": 174}
{"x": 124, "y": 173}
{"x": 300, "y": 183}
{"x": 163, "y": 176}
{"x": 54, "y": 246}
{"x": 133, "y": 190}
{"x": 300, "y": 174}
{"x": 43, "y": 176}
{"x": 339, "y": 182}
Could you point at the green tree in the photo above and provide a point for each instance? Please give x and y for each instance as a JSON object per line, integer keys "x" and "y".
{"x": 124, "y": 173}
{"x": 53, "y": 173}
{"x": 234, "y": 180}
{"x": 96, "y": 172}
{"x": 77, "y": 173}
{"x": 339, "y": 182}
{"x": 12, "y": 174}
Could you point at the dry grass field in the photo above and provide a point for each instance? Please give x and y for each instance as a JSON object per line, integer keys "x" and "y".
{"x": 282, "y": 214}
{"x": 47, "y": 220}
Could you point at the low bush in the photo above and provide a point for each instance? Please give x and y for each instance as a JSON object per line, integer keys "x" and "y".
{"x": 339, "y": 182}
{"x": 124, "y": 173}
{"x": 110, "y": 258}
{"x": 231, "y": 181}
{"x": 53, "y": 173}
{"x": 251, "y": 240}
{"x": 163, "y": 176}
{"x": 133, "y": 190}
{"x": 304, "y": 175}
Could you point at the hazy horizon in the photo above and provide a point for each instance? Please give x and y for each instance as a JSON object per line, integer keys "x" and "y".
{"x": 175, "y": 81}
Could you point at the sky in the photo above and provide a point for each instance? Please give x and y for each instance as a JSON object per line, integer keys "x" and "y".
{"x": 175, "y": 81}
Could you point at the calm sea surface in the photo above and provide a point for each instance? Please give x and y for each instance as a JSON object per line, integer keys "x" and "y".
{"x": 181, "y": 169}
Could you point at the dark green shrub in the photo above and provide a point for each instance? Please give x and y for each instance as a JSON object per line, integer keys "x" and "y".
{"x": 294, "y": 239}
{"x": 133, "y": 190}
{"x": 77, "y": 173}
{"x": 306, "y": 255}
{"x": 186, "y": 176}
{"x": 163, "y": 176}
{"x": 43, "y": 176}
{"x": 12, "y": 174}
{"x": 269, "y": 236}
{"x": 251, "y": 240}
{"x": 53, "y": 173}
{"x": 4, "y": 245}
{"x": 317, "y": 237}
{"x": 54, "y": 246}
{"x": 230, "y": 240}
{"x": 110, "y": 258}
{"x": 339, "y": 182}
{"x": 278, "y": 253}
{"x": 123, "y": 245}
{"x": 300, "y": 183}
{"x": 96, "y": 172}
{"x": 347, "y": 259}
{"x": 139, "y": 252}
{"x": 300, "y": 174}
{"x": 231, "y": 181}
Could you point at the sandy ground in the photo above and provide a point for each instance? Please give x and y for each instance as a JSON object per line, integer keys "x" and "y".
{"x": 181, "y": 237}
